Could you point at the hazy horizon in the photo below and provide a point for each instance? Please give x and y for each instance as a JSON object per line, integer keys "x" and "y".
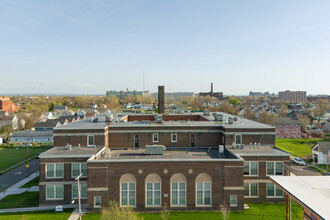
{"x": 80, "y": 47}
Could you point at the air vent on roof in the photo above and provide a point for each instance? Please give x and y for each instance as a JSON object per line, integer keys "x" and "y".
{"x": 206, "y": 112}
{"x": 218, "y": 116}
{"x": 158, "y": 118}
{"x": 230, "y": 120}
{"x": 155, "y": 149}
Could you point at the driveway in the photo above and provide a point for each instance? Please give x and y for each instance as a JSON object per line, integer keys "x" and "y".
{"x": 14, "y": 176}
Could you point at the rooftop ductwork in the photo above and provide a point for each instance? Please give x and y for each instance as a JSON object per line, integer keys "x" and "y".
{"x": 155, "y": 149}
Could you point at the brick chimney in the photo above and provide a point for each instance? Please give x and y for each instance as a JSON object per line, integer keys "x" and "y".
{"x": 161, "y": 100}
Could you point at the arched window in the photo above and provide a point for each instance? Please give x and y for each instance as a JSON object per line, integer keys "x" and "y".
{"x": 127, "y": 190}
{"x": 153, "y": 190}
{"x": 203, "y": 190}
{"x": 178, "y": 190}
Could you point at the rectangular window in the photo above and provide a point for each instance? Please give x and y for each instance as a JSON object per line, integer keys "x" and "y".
{"x": 251, "y": 189}
{"x": 203, "y": 192}
{"x": 238, "y": 139}
{"x": 296, "y": 127}
{"x": 83, "y": 191}
{"x": 153, "y": 194}
{"x": 174, "y": 138}
{"x": 127, "y": 194}
{"x": 251, "y": 168}
{"x": 78, "y": 168}
{"x": 280, "y": 127}
{"x": 90, "y": 140}
{"x": 298, "y": 134}
{"x": 54, "y": 170}
{"x": 273, "y": 191}
{"x": 233, "y": 200}
{"x": 97, "y": 201}
{"x": 286, "y": 127}
{"x": 178, "y": 194}
{"x": 291, "y": 127}
{"x": 155, "y": 137}
{"x": 274, "y": 168}
{"x": 54, "y": 192}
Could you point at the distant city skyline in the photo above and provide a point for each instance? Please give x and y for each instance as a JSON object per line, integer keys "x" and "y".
{"x": 91, "y": 47}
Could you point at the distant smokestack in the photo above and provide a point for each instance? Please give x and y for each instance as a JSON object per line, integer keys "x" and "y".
{"x": 211, "y": 89}
{"x": 161, "y": 99}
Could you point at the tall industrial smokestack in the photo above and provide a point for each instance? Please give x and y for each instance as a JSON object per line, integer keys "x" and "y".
{"x": 161, "y": 99}
{"x": 211, "y": 89}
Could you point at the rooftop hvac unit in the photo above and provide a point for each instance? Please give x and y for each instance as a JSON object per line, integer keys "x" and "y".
{"x": 206, "y": 112}
{"x": 221, "y": 149}
{"x": 218, "y": 116}
{"x": 235, "y": 118}
{"x": 230, "y": 120}
{"x": 155, "y": 149}
{"x": 158, "y": 118}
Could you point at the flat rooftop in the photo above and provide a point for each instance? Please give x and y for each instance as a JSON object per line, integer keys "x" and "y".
{"x": 259, "y": 151}
{"x": 120, "y": 120}
{"x": 174, "y": 155}
{"x": 74, "y": 152}
{"x": 311, "y": 191}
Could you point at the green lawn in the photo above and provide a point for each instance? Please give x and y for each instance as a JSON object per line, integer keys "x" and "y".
{"x": 256, "y": 211}
{"x": 296, "y": 147}
{"x": 324, "y": 167}
{"x": 12, "y": 156}
{"x": 27, "y": 199}
{"x": 33, "y": 182}
{"x": 44, "y": 215}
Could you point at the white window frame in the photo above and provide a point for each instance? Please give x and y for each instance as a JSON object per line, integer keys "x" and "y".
{"x": 250, "y": 196}
{"x": 153, "y": 194}
{"x": 128, "y": 194}
{"x": 280, "y": 127}
{"x": 178, "y": 195}
{"x": 55, "y": 177}
{"x": 88, "y": 136}
{"x": 296, "y": 127}
{"x": 153, "y": 138}
{"x": 230, "y": 199}
{"x": 80, "y": 170}
{"x": 81, "y": 184}
{"x": 54, "y": 186}
{"x": 291, "y": 128}
{"x": 251, "y": 168}
{"x": 97, "y": 206}
{"x": 176, "y": 137}
{"x": 286, "y": 127}
{"x": 274, "y": 188}
{"x": 238, "y": 135}
{"x": 203, "y": 195}
{"x": 274, "y": 162}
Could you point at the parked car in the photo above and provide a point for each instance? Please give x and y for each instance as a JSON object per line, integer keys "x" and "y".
{"x": 299, "y": 161}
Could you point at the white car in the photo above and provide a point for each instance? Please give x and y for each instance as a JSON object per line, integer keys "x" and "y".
{"x": 299, "y": 161}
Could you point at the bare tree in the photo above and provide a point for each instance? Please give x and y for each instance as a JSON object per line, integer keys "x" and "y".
{"x": 304, "y": 121}
{"x": 114, "y": 212}
{"x": 322, "y": 105}
{"x": 225, "y": 211}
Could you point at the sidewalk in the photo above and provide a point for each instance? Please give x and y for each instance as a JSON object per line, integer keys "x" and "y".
{"x": 75, "y": 213}
{"x": 32, "y": 209}
{"x": 15, "y": 189}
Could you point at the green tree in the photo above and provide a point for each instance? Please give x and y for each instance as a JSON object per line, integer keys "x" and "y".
{"x": 234, "y": 101}
{"x": 51, "y": 107}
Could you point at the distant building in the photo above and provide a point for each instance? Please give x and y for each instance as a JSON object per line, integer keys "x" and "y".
{"x": 218, "y": 95}
{"x": 287, "y": 128}
{"x": 292, "y": 96}
{"x": 315, "y": 98}
{"x": 122, "y": 94}
{"x": 10, "y": 120}
{"x": 259, "y": 94}
{"x": 320, "y": 151}
{"x": 60, "y": 107}
{"x": 31, "y": 137}
{"x": 7, "y": 105}
{"x": 175, "y": 95}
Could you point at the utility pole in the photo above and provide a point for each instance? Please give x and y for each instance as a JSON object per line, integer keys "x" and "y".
{"x": 27, "y": 165}
{"x": 328, "y": 162}
{"x": 287, "y": 197}
{"x": 77, "y": 178}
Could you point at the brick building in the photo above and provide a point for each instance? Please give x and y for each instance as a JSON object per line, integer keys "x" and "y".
{"x": 287, "y": 128}
{"x": 292, "y": 96}
{"x": 187, "y": 161}
{"x": 7, "y": 105}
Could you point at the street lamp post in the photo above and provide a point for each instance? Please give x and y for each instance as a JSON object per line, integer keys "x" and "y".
{"x": 77, "y": 178}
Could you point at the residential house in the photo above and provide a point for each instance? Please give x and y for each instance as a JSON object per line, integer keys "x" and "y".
{"x": 48, "y": 125}
{"x": 320, "y": 151}
{"x": 41, "y": 137}
{"x": 287, "y": 128}
{"x": 10, "y": 120}
{"x": 45, "y": 116}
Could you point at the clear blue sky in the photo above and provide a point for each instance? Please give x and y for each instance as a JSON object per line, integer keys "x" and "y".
{"x": 93, "y": 46}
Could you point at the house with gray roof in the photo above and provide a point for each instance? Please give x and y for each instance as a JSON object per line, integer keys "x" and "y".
{"x": 10, "y": 120}
{"x": 287, "y": 128}
{"x": 320, "y": 151}
{"x": 48, "y": 125}
{"x": 41, "y": 137}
